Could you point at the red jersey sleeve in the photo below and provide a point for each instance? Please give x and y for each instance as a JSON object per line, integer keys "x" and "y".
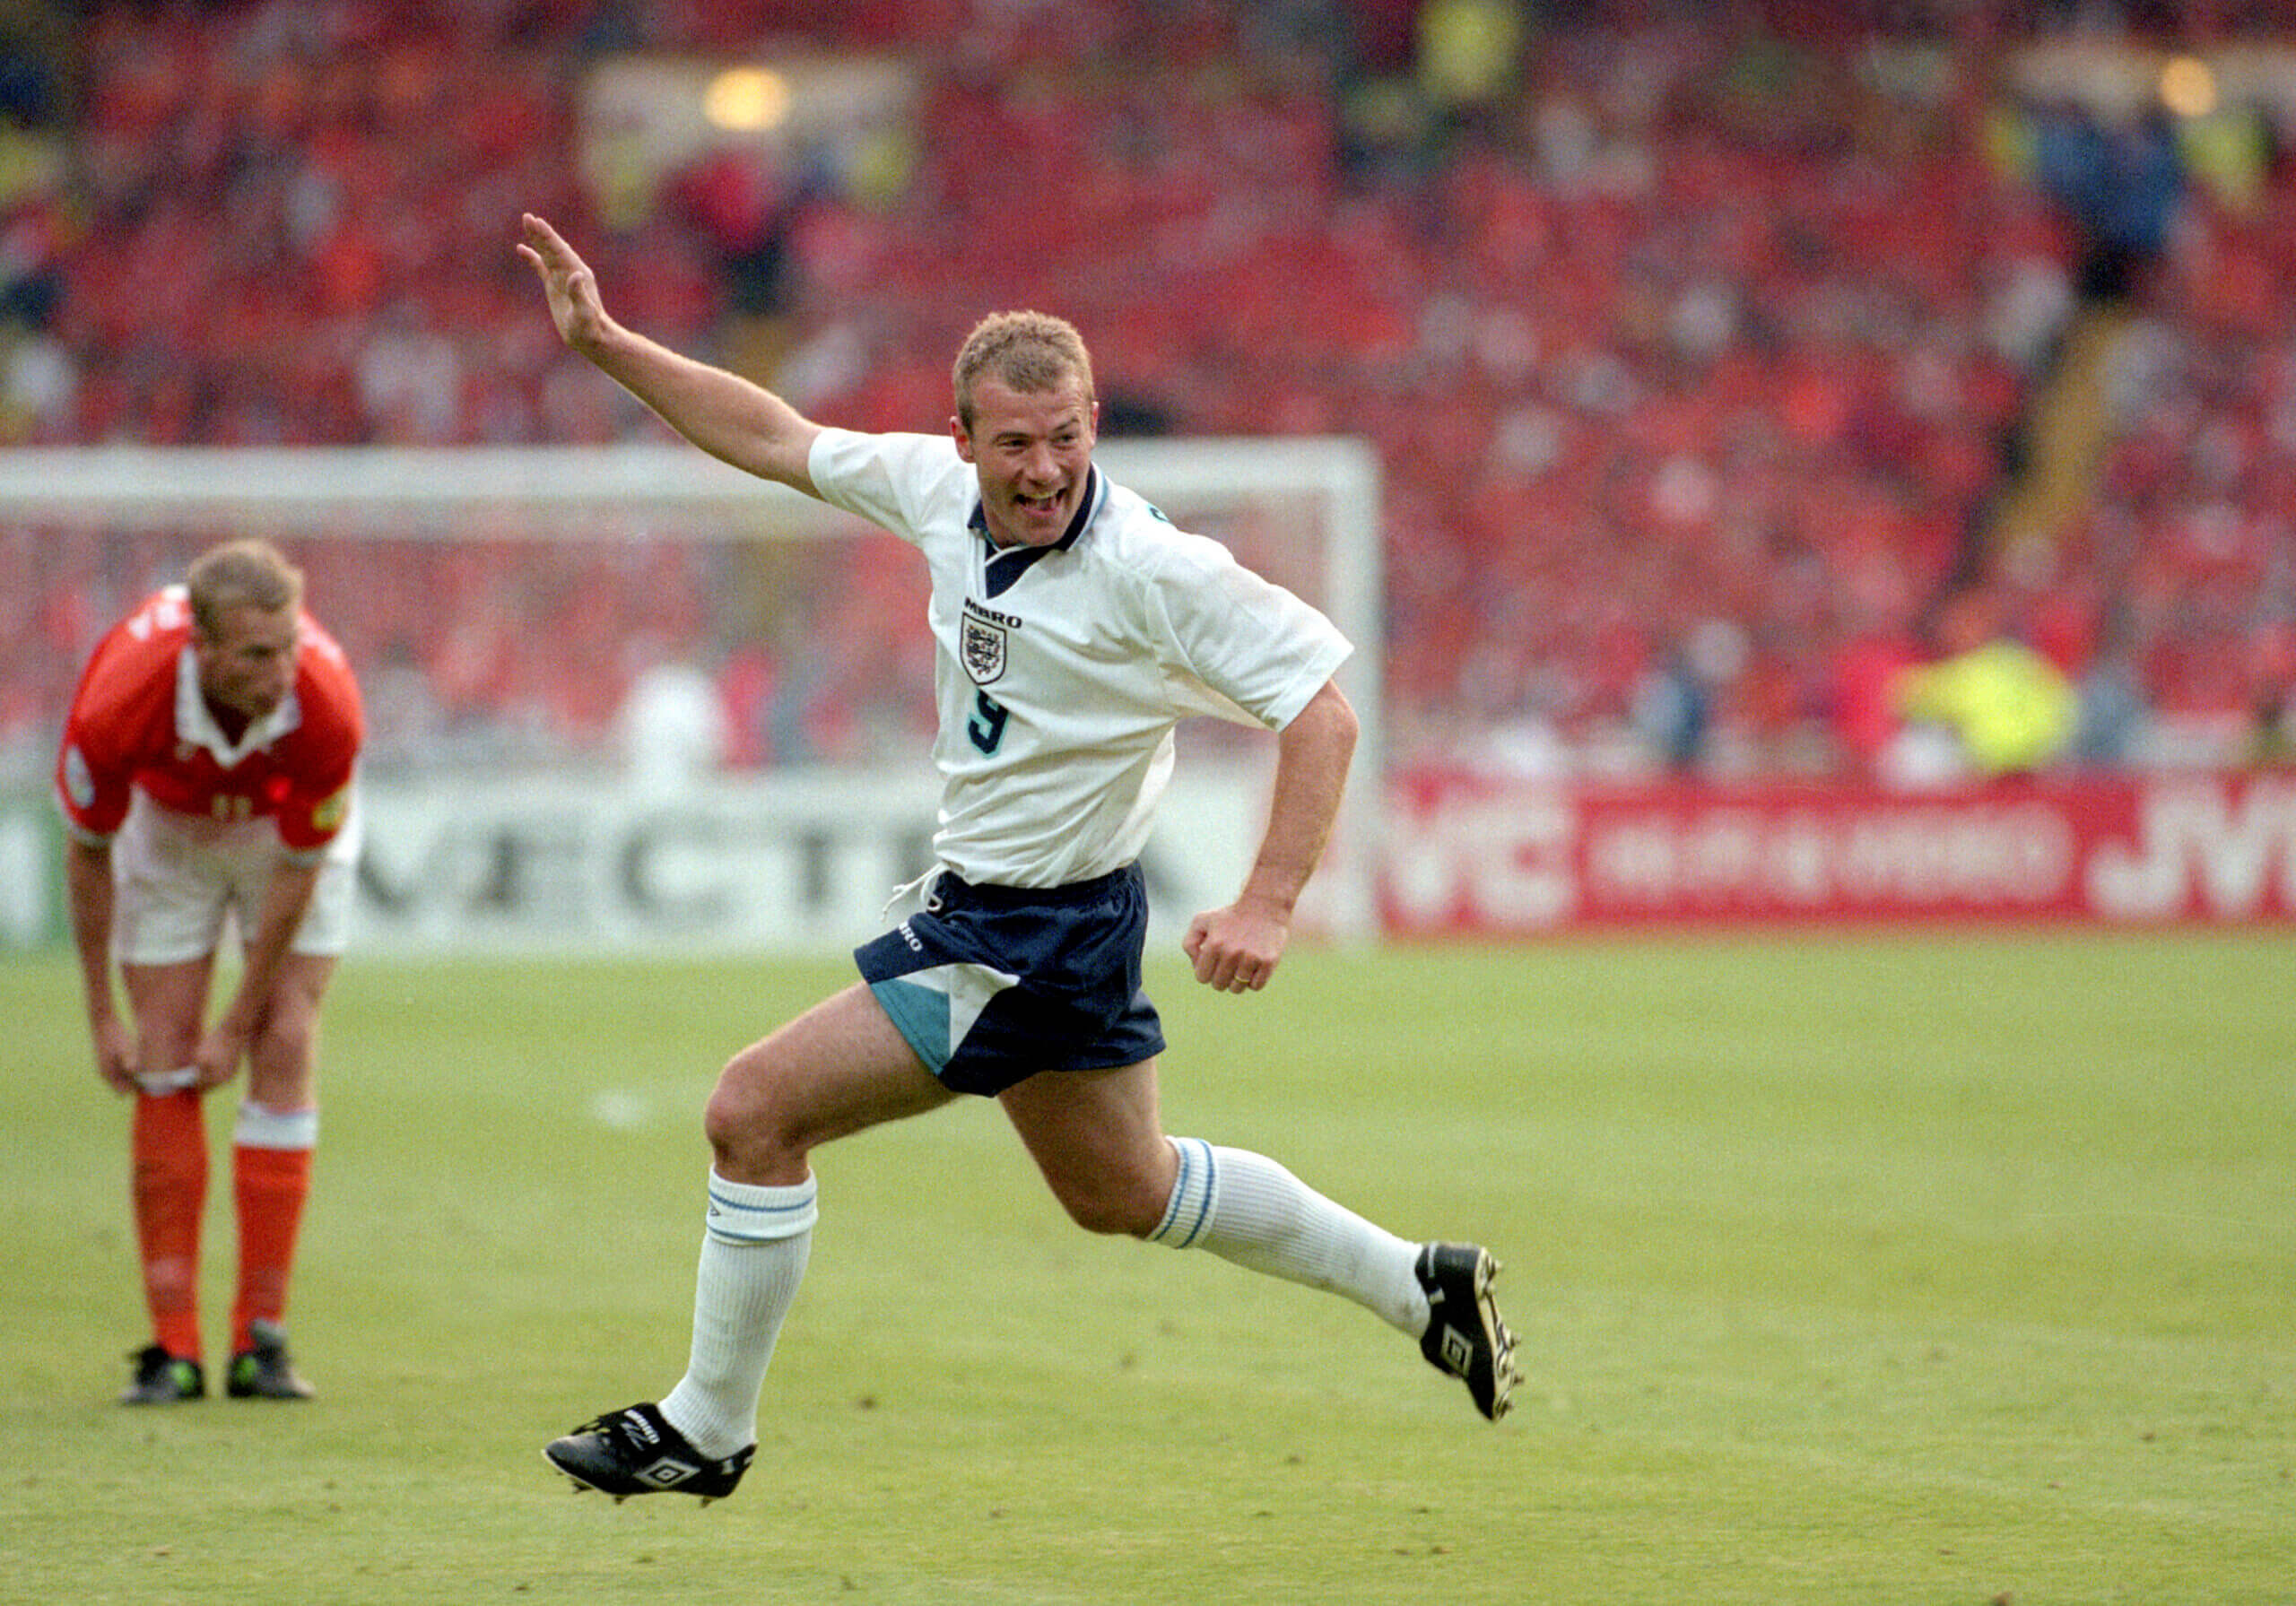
{"x": 123, "y": 709}
{"x": 320, "y": 756}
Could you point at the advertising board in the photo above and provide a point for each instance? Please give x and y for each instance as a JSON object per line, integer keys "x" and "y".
{"x": 1474, "y": 856}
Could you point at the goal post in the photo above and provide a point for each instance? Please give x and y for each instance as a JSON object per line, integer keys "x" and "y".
{"x": 405, "y": 540}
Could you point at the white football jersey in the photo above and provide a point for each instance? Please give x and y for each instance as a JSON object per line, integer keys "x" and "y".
{"x": 1062, "y": 671}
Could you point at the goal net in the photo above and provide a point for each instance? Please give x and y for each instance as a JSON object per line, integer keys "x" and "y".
{"x": 630, "y": 696}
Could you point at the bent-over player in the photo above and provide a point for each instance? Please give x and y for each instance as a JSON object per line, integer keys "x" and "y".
{"x": 208, "y": 769}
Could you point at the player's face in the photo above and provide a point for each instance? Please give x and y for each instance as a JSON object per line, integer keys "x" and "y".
{"x": 248, "y": 666}
{"x": 1033, "y": 452}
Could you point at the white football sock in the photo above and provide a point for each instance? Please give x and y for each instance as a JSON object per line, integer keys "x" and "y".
{"x": 1246, "y": 1208}
{"x": 753, "y": 1252}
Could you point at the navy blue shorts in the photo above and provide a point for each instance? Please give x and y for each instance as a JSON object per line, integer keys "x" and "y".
{"x": 992, "y": 985}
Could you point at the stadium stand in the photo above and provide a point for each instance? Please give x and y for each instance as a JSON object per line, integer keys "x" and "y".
{"x": 1708, "y": 349}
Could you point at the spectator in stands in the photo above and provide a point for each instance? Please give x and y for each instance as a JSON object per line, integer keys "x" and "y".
{"x": 2007, "y": 708}
{"x": 673, "y": 723}
{"x": 2121, "y": 182}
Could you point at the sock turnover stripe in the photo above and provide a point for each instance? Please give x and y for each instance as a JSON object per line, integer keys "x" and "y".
{"x": 743, "y": 1214}
{"x": 1193, "y": 1193}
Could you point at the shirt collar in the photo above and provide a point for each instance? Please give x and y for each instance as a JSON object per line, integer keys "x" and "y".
{"x": 196, "y": 724}
{"x": 1095, "y": 493}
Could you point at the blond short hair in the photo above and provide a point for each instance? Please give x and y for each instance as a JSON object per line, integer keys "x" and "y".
{"x": 241, "y": 574}
{"x": 1031, "y": 351}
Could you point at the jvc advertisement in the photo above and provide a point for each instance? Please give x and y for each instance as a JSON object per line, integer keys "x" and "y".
{"x": 1472, "y": 856}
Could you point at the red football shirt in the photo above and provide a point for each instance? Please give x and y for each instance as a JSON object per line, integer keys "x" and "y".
{"x": 138, "y": 721}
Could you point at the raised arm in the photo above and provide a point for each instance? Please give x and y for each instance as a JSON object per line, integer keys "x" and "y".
{"x": 1236, "y": 949}
{"x": 725, "y": 415}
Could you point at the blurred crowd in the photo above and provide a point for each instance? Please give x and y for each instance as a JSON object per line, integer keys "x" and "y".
{"x": 1707, "y": 349}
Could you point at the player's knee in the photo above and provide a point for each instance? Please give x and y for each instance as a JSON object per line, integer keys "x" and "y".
{"x": 731, "y": 1121}
{"x": 166, "y": 1049}
{"x": 1114, "y": 1205}
{"x": 750, "y": 1120}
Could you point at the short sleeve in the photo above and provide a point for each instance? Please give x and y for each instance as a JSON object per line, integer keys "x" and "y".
{"x": 894, "y": 480}
{"x": 1247, "y": 639}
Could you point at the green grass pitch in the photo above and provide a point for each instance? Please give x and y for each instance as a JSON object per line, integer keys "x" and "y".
{"x": 1847, "y": 1268}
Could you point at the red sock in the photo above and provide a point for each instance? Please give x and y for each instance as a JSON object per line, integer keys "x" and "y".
{"x": 270, "y": 1185}
{"x": 168, "y": 1146}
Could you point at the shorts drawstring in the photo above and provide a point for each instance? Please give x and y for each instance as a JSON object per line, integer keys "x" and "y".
{"x": 920, "y": 886}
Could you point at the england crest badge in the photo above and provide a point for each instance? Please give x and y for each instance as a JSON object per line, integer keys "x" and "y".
{"x": 983, "y": 650}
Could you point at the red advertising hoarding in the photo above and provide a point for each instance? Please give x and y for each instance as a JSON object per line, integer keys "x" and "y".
{"x": 1474, "y": 856}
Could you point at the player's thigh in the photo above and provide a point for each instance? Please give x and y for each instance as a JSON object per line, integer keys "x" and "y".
{"x": 837, "y": 1067}
{"x": 171, "y": 892}
{"x": 1097, "y": 1137}
{"x": 325, "y": 932}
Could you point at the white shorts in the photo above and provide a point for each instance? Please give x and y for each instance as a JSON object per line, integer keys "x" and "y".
{"x": 175, "y": 877}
